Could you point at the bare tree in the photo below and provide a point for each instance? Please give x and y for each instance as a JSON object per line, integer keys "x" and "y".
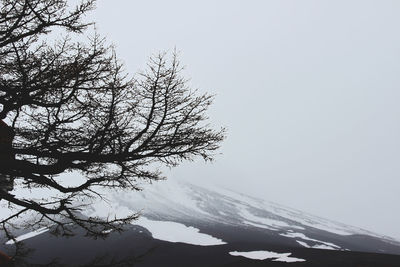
{"x": 70, "y": 106}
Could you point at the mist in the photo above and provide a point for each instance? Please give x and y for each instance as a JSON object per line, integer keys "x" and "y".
{"x": 308, "y": 91}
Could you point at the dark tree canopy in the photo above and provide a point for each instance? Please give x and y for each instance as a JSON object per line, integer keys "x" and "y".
{"x": 73, "y": 108}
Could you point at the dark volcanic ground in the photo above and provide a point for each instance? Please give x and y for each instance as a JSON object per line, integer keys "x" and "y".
{"x": 136, "y": 247}
{"x": 242, "y": 222}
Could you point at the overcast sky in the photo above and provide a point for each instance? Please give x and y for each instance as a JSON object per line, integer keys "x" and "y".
{"x": 308, "y": 90}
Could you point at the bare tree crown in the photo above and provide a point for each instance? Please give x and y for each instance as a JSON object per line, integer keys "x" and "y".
{"x": 73, "y": 108}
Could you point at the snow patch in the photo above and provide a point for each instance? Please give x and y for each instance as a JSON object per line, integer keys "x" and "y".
{"x": 28, "y": 235}
{"x": 324, "y": 245}
{"x": 177, "y": 232}
{"x": 304, "y": 244}
{"x": 260, "y": 225}
{"x": 259, "y": 221}
{"x": 263, "y": 254}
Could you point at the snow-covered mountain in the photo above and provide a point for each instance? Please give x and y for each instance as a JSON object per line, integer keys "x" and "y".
{"x": 180, "y": 202}
{"x": 177, "y": 214}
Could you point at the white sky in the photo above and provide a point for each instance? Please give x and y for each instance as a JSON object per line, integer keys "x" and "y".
{"x": 309, "y": 92}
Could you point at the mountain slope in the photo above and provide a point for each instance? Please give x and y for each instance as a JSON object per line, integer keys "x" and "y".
{"x": 184, "y": 223}
{"x": 220, "y": 208}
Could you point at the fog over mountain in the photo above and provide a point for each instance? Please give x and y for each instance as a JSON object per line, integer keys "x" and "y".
{"x": 308, "y": 91}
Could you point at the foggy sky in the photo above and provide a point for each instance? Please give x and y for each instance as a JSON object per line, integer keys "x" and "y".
{"x": 308, "y": 90}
